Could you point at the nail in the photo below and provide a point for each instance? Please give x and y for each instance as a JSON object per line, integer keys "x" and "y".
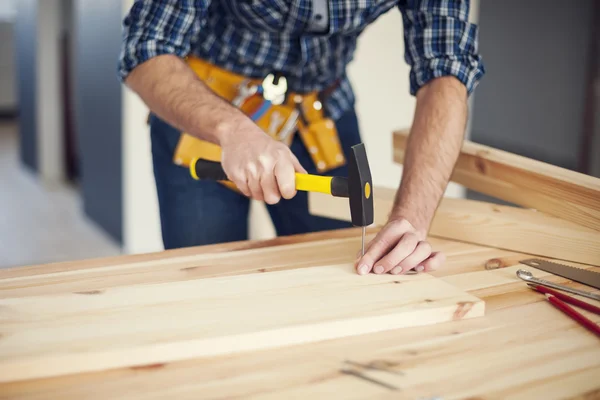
{"x": 420, "y": 268}
{"x": 363, "y": 269}
{"x": 378, "y": 269}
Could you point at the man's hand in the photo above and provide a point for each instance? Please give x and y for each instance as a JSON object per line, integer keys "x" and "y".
{"x": 261, "y": 167}
{"x": 432, "y": 150}
{"x": 398, "y": 248}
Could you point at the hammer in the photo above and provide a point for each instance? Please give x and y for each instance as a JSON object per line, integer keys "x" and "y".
{"x": 358, "y": 187}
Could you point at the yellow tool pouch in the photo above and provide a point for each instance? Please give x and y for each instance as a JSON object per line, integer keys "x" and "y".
{"x": 299, "y": 113}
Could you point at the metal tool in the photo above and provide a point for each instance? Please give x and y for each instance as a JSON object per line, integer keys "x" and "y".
{"x": 586, "y": 277}
{"x": 289, "y": 127}
{"x": 357, "y": 187}
{"x": 274, "y": 89}
{"x": 245, "y": 91}
{"x": 530, "y": 279}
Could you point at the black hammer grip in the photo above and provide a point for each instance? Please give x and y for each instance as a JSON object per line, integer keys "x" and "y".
{"x": 201, "y": 169}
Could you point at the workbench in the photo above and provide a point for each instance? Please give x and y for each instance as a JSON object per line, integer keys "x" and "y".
{"x": 522, "y": 348}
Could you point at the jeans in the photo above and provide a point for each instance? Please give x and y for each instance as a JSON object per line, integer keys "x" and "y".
{"x": 194, "y": 213}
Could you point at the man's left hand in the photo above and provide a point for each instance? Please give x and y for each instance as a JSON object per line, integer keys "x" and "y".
{"x": 398, "y": 248}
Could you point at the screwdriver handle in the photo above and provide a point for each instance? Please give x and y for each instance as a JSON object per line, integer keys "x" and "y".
{"x": 202, "y": 169}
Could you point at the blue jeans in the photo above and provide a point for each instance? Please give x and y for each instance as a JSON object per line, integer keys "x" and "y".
{"x": 194, "y": 213}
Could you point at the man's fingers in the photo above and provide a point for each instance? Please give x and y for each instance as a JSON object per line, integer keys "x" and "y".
{"x": 240, "y": 181}
{"x": 420, "y": 254}
{"x": 285, "y": 179}
{"x": 377, "y": 249}
{"x": 296, "y": 164}
{"x": 268, "y": 183}
{"x": 269, "y": 187}
{"x": 434, "y": 262}
{"x": 254, "y": 182}
{"x": 403, "y": 249}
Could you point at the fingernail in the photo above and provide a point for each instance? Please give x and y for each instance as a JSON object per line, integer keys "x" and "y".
{"x": 396, "y": 270}
{"x": 420, "y": 268}
{"x": 378, "y": 269}
{"x": 363, "y": 269}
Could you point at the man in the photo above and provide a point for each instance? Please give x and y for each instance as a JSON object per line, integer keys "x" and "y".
{"x": 309, "y": 42}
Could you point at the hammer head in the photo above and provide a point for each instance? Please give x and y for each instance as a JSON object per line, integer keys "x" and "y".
{"x": 360, "y": 187}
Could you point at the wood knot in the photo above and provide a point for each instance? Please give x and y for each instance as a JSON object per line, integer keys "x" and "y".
{"x": 429, "y": 301}
{"x": 91, "y": 292}
{"x": 262, "y": 270}
{"x": 481, "y": 166}
{"x": 462, "y": 309}
{"x": 148, "y": 367}
{"x": 494, "y": 263}
{"x": 398, "y": 282}
{"x": 186, "y": 269}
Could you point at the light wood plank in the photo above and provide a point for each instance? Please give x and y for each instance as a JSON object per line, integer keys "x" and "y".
{"x": 519, "y": 180}
{"x": 59, "y": 334}
{"x": 473, "y": 358}
{"x": 505, "y": 227}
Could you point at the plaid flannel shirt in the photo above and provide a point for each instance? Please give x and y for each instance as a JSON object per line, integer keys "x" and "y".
{"x": 310, "y": 42}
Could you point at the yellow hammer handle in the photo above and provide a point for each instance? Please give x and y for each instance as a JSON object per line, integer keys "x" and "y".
{"x": 313, "y": 183}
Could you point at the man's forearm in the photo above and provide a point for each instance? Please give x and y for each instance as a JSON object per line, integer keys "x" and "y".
{"x": 432, "y": 150}
{"x": 171, "y": 90}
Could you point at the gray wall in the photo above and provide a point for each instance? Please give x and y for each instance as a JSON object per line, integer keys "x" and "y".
{"x": 8, "y": 97}
{"x": 98, "y": 110}
{"x": 531, "y": 101}
{"x": 25, "y": 45}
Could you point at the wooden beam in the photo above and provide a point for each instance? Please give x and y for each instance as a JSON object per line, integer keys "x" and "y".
{"x": 503, "y": 227}
{"x": 529, "y": 183}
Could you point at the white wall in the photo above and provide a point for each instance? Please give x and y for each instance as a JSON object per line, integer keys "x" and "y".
{"x": 381, "y": 107}
{"x": 49, "y": 91}
{"x": 141, "y": 222}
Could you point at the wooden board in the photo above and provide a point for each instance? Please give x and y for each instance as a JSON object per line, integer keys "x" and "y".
{"x": 566, "y": 194}
{"x": 487, "y": 224}
{"x": 62, "y": 333}
{"x": 523, "y": 348}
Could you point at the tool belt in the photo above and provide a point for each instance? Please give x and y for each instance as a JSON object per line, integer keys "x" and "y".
{"x": 293, "y": 112}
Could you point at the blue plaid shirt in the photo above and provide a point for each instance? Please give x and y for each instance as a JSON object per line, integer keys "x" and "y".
{"x": 310, "y": 43}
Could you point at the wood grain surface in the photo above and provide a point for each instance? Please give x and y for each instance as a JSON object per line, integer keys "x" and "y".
{"x": 566, "y": 194}
{"x": 522, "y": 348}
{"x": 56, "y": 334}
{"x": 487, "y": 224}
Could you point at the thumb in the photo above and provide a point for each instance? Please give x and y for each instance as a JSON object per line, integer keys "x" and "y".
{"x": 297, "y": 166}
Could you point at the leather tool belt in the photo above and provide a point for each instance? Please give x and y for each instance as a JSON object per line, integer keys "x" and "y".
{"x": 302, "y": 113}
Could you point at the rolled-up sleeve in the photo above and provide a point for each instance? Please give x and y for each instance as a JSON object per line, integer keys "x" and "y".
{"x": 440, "y": 41}
{"x": 152, "y": 28}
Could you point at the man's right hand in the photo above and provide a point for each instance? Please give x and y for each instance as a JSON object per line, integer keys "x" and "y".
{"x": 261, "y": 167}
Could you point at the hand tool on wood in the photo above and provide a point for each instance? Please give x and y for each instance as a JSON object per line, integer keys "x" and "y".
{"x": 358, "y": 187}
{"x": 586, "y": 277}
{"x": 529, "y": 278}
{"x": 559, "y": 301}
